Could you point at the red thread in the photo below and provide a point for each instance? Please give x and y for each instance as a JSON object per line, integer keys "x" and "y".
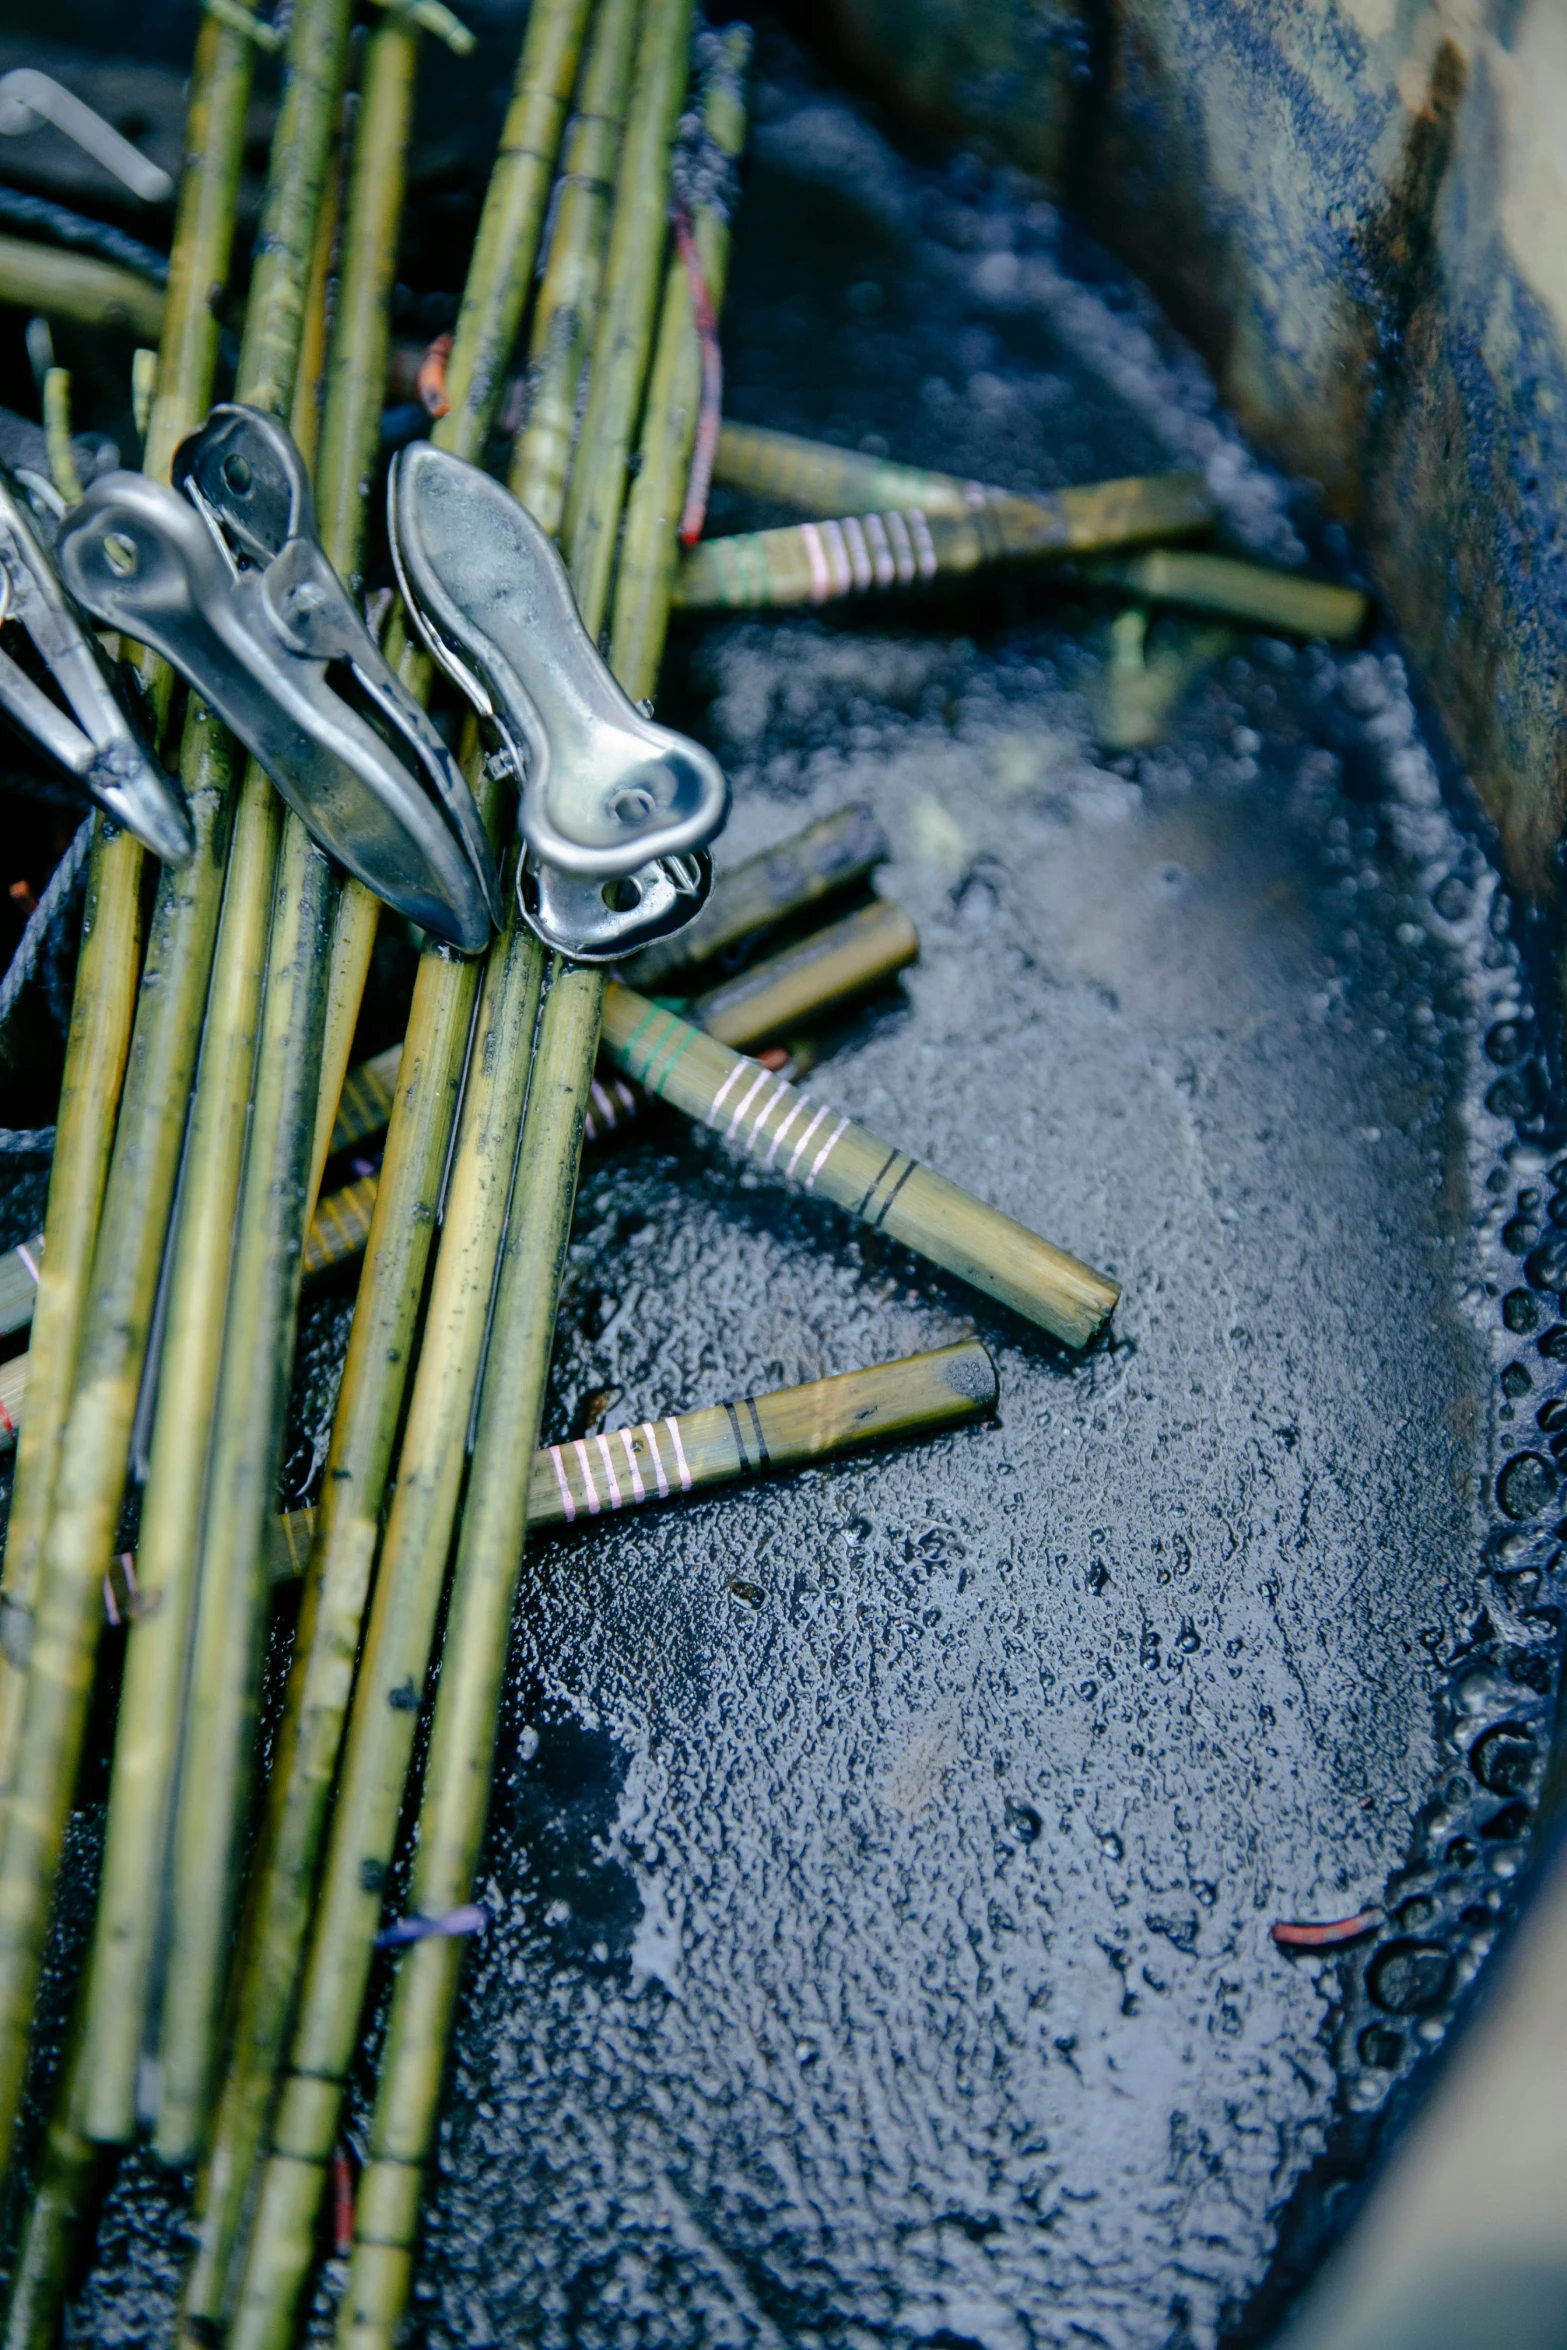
{"x": 342, "y": 2202}
{"x": 710, "y": 416}
{"x": 1290, "y": 1936}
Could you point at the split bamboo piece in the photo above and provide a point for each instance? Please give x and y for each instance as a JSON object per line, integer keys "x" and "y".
{"x": 821, "y": 562}
{"x": 105, "y": 1004}
{"x": 765, "y": 1117}
{"x": 268, "y": 1229}
{"x": 829, "y": 855}
{"x": 489, "y": 1556}
{"x": 833, "y": 966}
{"x": 569, "y": 298}
{"x": 1243, "y": 591}
{"x": 76, "y": 287}
{"x": 138, "y": 1194}
{"x": 380, "y": 1345}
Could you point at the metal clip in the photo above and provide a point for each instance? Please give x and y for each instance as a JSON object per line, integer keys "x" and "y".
{"x": 615, "y": 809}
{"x": 230, "y": 584}
{"x": 98, "y": 738}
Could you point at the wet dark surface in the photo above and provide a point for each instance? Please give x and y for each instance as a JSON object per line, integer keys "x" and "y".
{"x": 882, "y": 1861}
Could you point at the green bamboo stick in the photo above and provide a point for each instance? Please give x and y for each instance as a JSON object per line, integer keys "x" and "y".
{"x": 764, "y": 1117}
{"x": 473, "y": 1662}
{"x": 149, "y": 1723}
{"x": 820, "y": 479}
{"x": 61, "y": 2203}
{"x": 645, "y": 580}
{"x": 139, "y": 1188}
{"x": 489, "y": 1558}
{"x": 274, "y": 1202}
{"x": 787, "y": 879}
{"x": 686, "y": 1452}
{"x": 1243, "y": 591}
{"x": 76, "y": 287}
{"x": 380, "y": 1345}
{"x": 834, "y": 966}
{"x": 568, "y": 299}
{"x": 822, "y": 562}
{"x": 632, "y": 282}
{"x": 104, "y": 1004}
{"x": 396, "y": 1657}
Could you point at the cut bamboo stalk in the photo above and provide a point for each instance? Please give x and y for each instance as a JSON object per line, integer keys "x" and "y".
{"x": 395, "y": 1662}
{"x": 57, "y": 2213}
{"x": 765, "y": 1118}
{"x": 489, "y": 1558}
{"x": 822, "y": 562}
{"x": 630, "y": 1468}
{"x": 75, "y": 287}
{"x": 624, "y": 333}
{"x": 139, "y": 1189}
{"x": 150, "y": 1718}
{"x": 104, "y": 1003}
{"x": 473, "y": 1658}
{"x": 373, "y": 1384}
{"x": 645, "y": 580}
{"x": 828, "y": 856}
{"x": 820, "y": 479}
{"x": 269, "y": 1229}
{"x": 834, "y": 966}
{"x": 1244, "y": 591}
{"x": 568, "y": 299}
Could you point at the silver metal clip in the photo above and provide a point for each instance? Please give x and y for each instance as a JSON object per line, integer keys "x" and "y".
{"x": 616, "y": 810}
{"x": 97, "y": 737}
{"x": 229, "y": 582}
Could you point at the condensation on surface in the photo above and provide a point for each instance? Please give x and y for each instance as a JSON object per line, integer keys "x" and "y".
{"x": 882, "y": 1860}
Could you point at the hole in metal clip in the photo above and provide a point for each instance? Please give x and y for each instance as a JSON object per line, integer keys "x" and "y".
{"x": 632, "y": 806}
{"x": 237, "y": 473}
{"x": 622, "y": 894}
{"x": 120, "y": 553}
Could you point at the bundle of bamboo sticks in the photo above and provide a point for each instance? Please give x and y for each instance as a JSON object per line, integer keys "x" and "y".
{"x": 223, "y": 1996}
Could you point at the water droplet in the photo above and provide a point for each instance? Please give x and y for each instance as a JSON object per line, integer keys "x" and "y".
{"x": 1526, "y": 1485}
{"x": 1519, "y": 1312}
{"x": 1506, "y": 1043}
{"x": 1553, "y": 1343}
{"x": 1552, "y": 1415}
{"x": 1381, "y": 2047}
{"x": 1451, "y": 898}
{"x": 1112, "y": 1847}
{"x": 1520, "y": 1235}
{"x": 1516, "y": 1380}
{"x": 1409, "y": 1978}
{"x": 1024, "y": 1822}
{"x": 1507, "y": 1825}
{"x": 1461, "y": 1853}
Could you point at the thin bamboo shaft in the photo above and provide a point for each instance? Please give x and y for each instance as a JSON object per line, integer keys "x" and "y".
{"x": 76, "y": 287}
{"x": 148, "y": 1724}
{"x": 489, "y": 1558}
{"x": 93, "y": 1451}
{"x": 828, "y": 856}
{"x": 821, "y": 479}
{"x": 645, "y": 580}
{"x": 395, "y": 1662}
{"x": 275, "y": 1197}
{"x": 104, "y": 1003}
{"x": 632, "y": 281}
{"x": 143, "y": 1167}
{"x": 631, "y": 1468}
{"x": 1243, "y": 591}
{"x": 473, "y": 1660}
{"x": 822, "y": 562}
{"x": 764, "y": 1117}
{"x": 832, "y": 967}
{"x": 510, "y": 225}
{"x": 95, "y": 1056}
{"x": 68, "y": 2181}
{"x": 371, "y": 1392}
{"x": 567, "y": 307}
